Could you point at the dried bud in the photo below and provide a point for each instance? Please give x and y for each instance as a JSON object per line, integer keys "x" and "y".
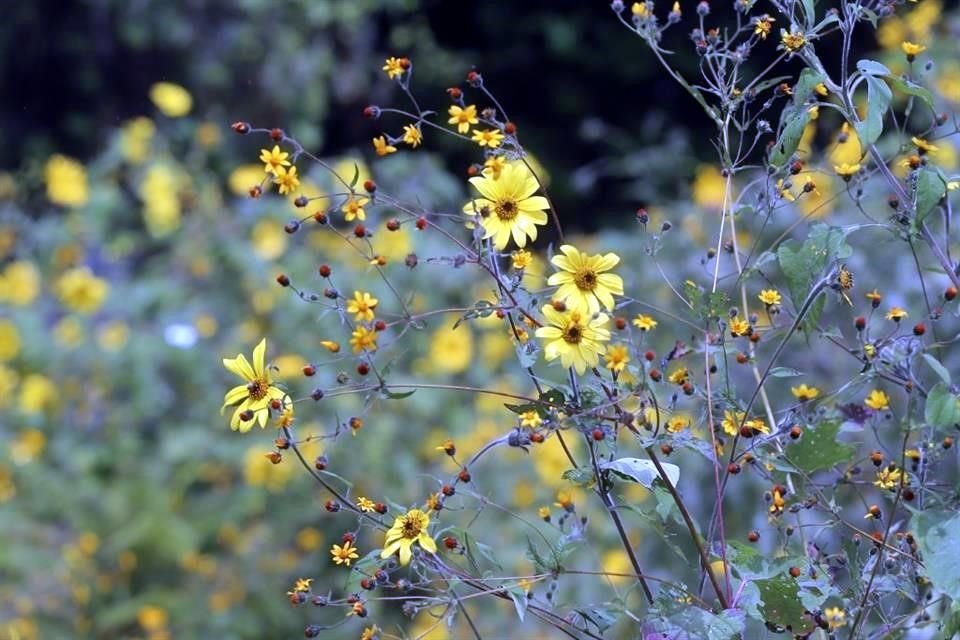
{"x": 243, "y": 128}
{"x": 283, "y": 280}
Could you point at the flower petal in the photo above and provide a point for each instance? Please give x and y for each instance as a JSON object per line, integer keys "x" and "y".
{"x": 240, "y": 367}
{"x": 259, "y": 353}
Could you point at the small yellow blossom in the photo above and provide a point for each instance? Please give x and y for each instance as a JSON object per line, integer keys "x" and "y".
{"x": 877, "y": 400}
{"x": 803, "y": 393}
{"x": 731, "y": 422}
{"x": 19, "y": 283}
{"x": 769, "y": 297}
{"x": 639, "y": 9}
{"x": 896, "y": 314}
{"x": 617, "y": 357}
{"x": 544, "y": 513}
{"x": 493, "y": 165}
{"x": 394, "y": 67}
{"x": 345, "y": 554}
{"x": 287, "y": 179}
{"x": 912, "y": 49}
{"x": 362, "y": 305}
{"x": 521, "y": 259}
{"x": 408, "y": 529}
{"x": 821, "y": 90}
{"x": 678, "y": 423}
{"x": 273, "y": 158}
{"x": 370, "y": 633}
{"x": 680, "y": 376}
{"x": 564, "y": 501}
{"x": 763, "y": 25}
{"x": 792, "y": 41}
{"x": 834, "y": 617}
{"x": 777, "y": 503}
{"x": 530, "y": 419}
{"x": 81, "y": 291}
{"x": 302, "y": 585}
{"x": 382, "y": 147}
{"x": 490, "y": 138}
{"x": 353, "y": 209}
{"x": 891, "y": 477}
{"x": 739, "y": 327}
{"x": 366, "y": 504}
{"x": 412, "y": 135}
{"x": 644, "y": 322}
{"x": 463, "y": 117}
{"x": 363, "y": 339}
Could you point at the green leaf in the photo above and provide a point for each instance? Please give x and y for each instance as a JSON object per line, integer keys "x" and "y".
{"x": 938, "y": 534}
{"x": 789, "y": 138}
{"x": 579, "y": 477}
{"x": 809, "y": 15}
{"x": 784, "y": 372}
{"x": 394, "y": 395}
{"x": 912, "y": 89}
{"x": 802, "y": 265}
{"x": 943, "y": 407}
{"x": 782, "y": 605}
{"x": 599, "y": 617}
{"x": 642, "y": 471}
{"x": 808, "y": 80}
{"x": 931, "y": 187}
{"x": 873, "y": 68}
{"x": 519, "y": 597}
{"x": 938, "y": 368}
{"x": 818, "y": 448}
{"x": 878, "y": 102}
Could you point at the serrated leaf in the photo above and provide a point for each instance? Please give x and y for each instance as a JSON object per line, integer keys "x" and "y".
{"x": 878, "y": 102}
{"x": 818, "y": 448}
{"x": 942, "y": 410}
{"x": 789, "y": 140}
{"x": 938, "y": 534}
{"x": 938, "y": 368}
{"x": 803, "y": 264}
{"x": 782, "y": 606}
{"x": 641, "y": 471}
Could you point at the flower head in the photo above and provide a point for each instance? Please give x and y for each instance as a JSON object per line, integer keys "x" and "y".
{"x": 490, "y": 138}
{"x": 891, "y": 477}
{"x": 924, "y": 146}
{"x": 412, "y": 135}
{"x": 521, "y": 259}
{"x": 273, "y": 158}
{"x": 408, "y": 529}
{"x": 582, "y": 281}
{"x": 617, "y": 357}
{"x": 792, "y": 41}
{"x": 171, "y": 99}
{"x": 363, "y": 339}
{"x": 803, "y": 393}
{"x": 362, "y": 305}
{"x": 846, "y": 170}
{"x": 769, "y": 297}
{"x": 896, "y": 314}
{"x": 574, "y": 337}
{"x": 254, "y": 397}
{"x": 353, "y": 209}
{"x": 394, "y": 67}
{"x": 644, "y": 323}
{"x": 81, "y": 291}
{"x": 834, "y": 617}
{"x": 382, "y": 146}
{"x": 530, "y": 419}
{"x": 912, "y": 49}
{"x": 463, "y": 117}
{"x": 345, "y": 554}
{"x": 366, "y": 504}
{"x": 877, "y": 400}
{"x": 494, "y": 165}
{"x": 287, "y": 179}
{"x": 508, "y": 207}
{"x": 762, "y": 26}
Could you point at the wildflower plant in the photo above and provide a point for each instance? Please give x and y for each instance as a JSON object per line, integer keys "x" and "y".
{"x": 850, "y": 467}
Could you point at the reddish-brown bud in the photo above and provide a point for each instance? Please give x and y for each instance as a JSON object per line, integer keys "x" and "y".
{"x": 320, "y": 217}
{"x": 464, "y": 475}
{"x": 421, "y": 223}
{"x": 620, "y": 323}
{"x": 753, "y": 536}
{"x": 379, "y": 325}
{"x": 324, "y": 271}
{"x": 242, "y": 128}
{"x": 283, "y": 280}
{"x": 276, "y": 134}
{"x": 455, "y": 93}
{"x": 860, "y": 323}
{"x": 369, "y": 186}
{"x": 363, "y": 368}
{"x": 393, "y": 224}
{"x": 450, "y": 542}
{"x": 510, "y": 128}
{"x": 650, "y": 356}
{"x": 360, "y": 231}
{"x": 309, "y": 370}
{"x": 919, "y": 329}
{"x": 733, "y": 468}
{"x": 950, "y": 294}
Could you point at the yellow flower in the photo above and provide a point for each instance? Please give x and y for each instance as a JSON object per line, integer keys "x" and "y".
{"x": 463, "y": 117}
{"x": 739, "y": 327}
{"x": 370, "y": 633}
{"x": 412, "y": 135}
{"x": 152, "y": 618}
{"x": 366, "y": 504}
{"x": 530, "y": 419}
{"x": 135, "y": 139}
{"x": 822, "y": 90}
{"x": 769, "y": 297}
{"x": 680, "y": 376}
{"x": 161, "y": 203}
{"x": 302, "y": 585}
{"x": 709, "y": 187}
{"x": 362, "y": 306}
{"x": 81, "y": 291}
{"x": 521, "y": 259}
{"x": 762, "y": 26}
{"x": 574, "y": 337}
{"x": 678, "y": 423}
{"x": 382, "y": 147}
{"x": 173, "y": 100}
{"x": 792, "y": 41}
{"x": 490, "y": 138}
{"x": 891, "y": 477}
{"x": 493, "y": 165}
{"x": 565, "y": 501}
{"x": 274, "y": 159}
{"x": 66, "y": 181}
{"x": 617, "y": 357}
{"x": 27, "y": 447}
{"x": 846, "y": 170}
{"x": 37, "y": 393}
{"x": 804, "y": 393}
{"x": 353, "y": 209}
{"x": 394, "y": 67}
{"x": 834, "y": 617}
{"x": 345, "y": 554}
{"x": 268, "y": 239}
{"x": 543, "y": 513}
{"x": 19, "y": 283}
{"x": 451, "y": 350}
{"x": 877, "y": 400}
{"x": 757, "y": 424}
{"x": 363, "y": 339}
{"x": 644, "y": 323}
{"x": 408, "y": 529}
{"x": 912, "y": 50}
{"x": 777, "y": 503}
{"x": 9, "y": 341}
{"x": 639, "y": 9}
{"x": 896, "y": 314}
{"x": 731, "y": 422}
{"x": 255, "y": 395}
{"x": 784, "y": 191}
{"x": 923, "y": 146}
{"x": 287, "y": 179}
{"x": 582, "y": 282}
{"x": 508, "y": 206}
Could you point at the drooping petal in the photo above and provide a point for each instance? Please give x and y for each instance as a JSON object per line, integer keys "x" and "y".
{"x": 234, "y": 396}
{"x": 427, "y": 543}
{"x": 519, "y": 236}
{"x": 240, "y": 367}
{"x": 390, "y": 549}
{"x": 405, "y": 551}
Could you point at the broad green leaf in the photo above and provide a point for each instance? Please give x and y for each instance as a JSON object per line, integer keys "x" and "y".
{"x": 943, "y": 407}
{"x": 912, "y": 89}
{"x": 805, "y": 86}
{"x": 801, "y": 265}
{"x": 642, "y": 471}
{"x": 818, "y": 448}
{"x": 938, "y": 534}
{"x": 782, "y": 605}
{"x": 809, "y": 15}
{"x": 878, "y": 102}
{"x": 789, "y": 138}
{"x": 938, "y": 368}
{"x": 579, "y": 477}
{"x": 931, "y": 188}
{"x": 519, "y": 597}
{"x": 873, "y": 68}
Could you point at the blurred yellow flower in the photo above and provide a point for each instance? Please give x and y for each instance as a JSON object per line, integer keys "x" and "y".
{"x": 113, "y": 336}
{"x": 268, "y": 239}
{"x": 37, "y": 393}
{"x": 161, "y": 200}
{"x": 490, "y": 138}
{"x": 708, "y": 187}
{"x": 803, "y": 393}
{"x": 891, "y": 477}
{"x": 834, "y": 617}
{"x": 244, "y": 177}
{"x": 582, "y": 280}
{"x": 66, "y": 181}
{"x": 260, "y": 472}
{"x": 309, "y": 539}
{"x": 493, "y": 165}
{"x": 9, "y": 340}
{"x": 508, "y": 207}
{"x": 912, "y": 49}
{"x": 27, "y": 446}
{"x": 70, "y": 332}
{"x": 896, "y": 314}
{"x": 451, "y": 350}
{"x": 8, "y": 384}
{"x": 81, "y": 291}
{"x": 135, "y": 138}
{"x": 678, "y": 423}
{"x": 208, "y": 134}
{"x": 171, "y": 99}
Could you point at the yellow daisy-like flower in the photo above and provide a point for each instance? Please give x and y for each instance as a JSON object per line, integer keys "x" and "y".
{"x": 874, "y": 297}
{"x": 253, "y": 396}
{"x": 521, "y": 259}
{"x": 287, "y": 179}
{"x": 274, "y": 158}
{"x": 582, "y": 282}
{"x": 490, "y": 138}
{"x": 731, "y": 422}
{"x": 382, "y": 147}
{"x": 877, "y": 400}
{"x": 896, "y": 314}
{"x": 408, "y": 529}
{"x": 171, "y": 99}
{"x": 762, "y": 26}
{"x": 912, "y": 49}
{"x": 353, "y": 209}
{"x": 366, "y": 504}
{"x": 302, "y": 585}
{"x": 639, "y": 9}
{"x": 792, "y": 41}
{"x": 617, "y": 357}
{"x": 803, "y": 393}
{"x": 891, "y": 477}
{"x": 644, "y": 323}
{"x": 362, "y": 306}
{"x": 834, "y": 617}
{"x": 680, "y": 376}
{"x": 530, "y": 419}
{"x": 463, "y": 117}
{"x": 363, "y": 339}
{"x": 394, "y": 67}
{"x": 494, "y": 165}
{"x": 846, "y": 170}
{"x": 412, "y": 135}
{"x": 345, "y": 554}
{"x": 508, "y": 207}
{"x": 574, "y": 337}
{"x": 769, "y": 297}
{"x": 81, "y": 291}
{"x": 370, "y": 633}
{"x": 676, "y": 424}
{"x": 739, "y": 327}
{"x": 757, "y": 424}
